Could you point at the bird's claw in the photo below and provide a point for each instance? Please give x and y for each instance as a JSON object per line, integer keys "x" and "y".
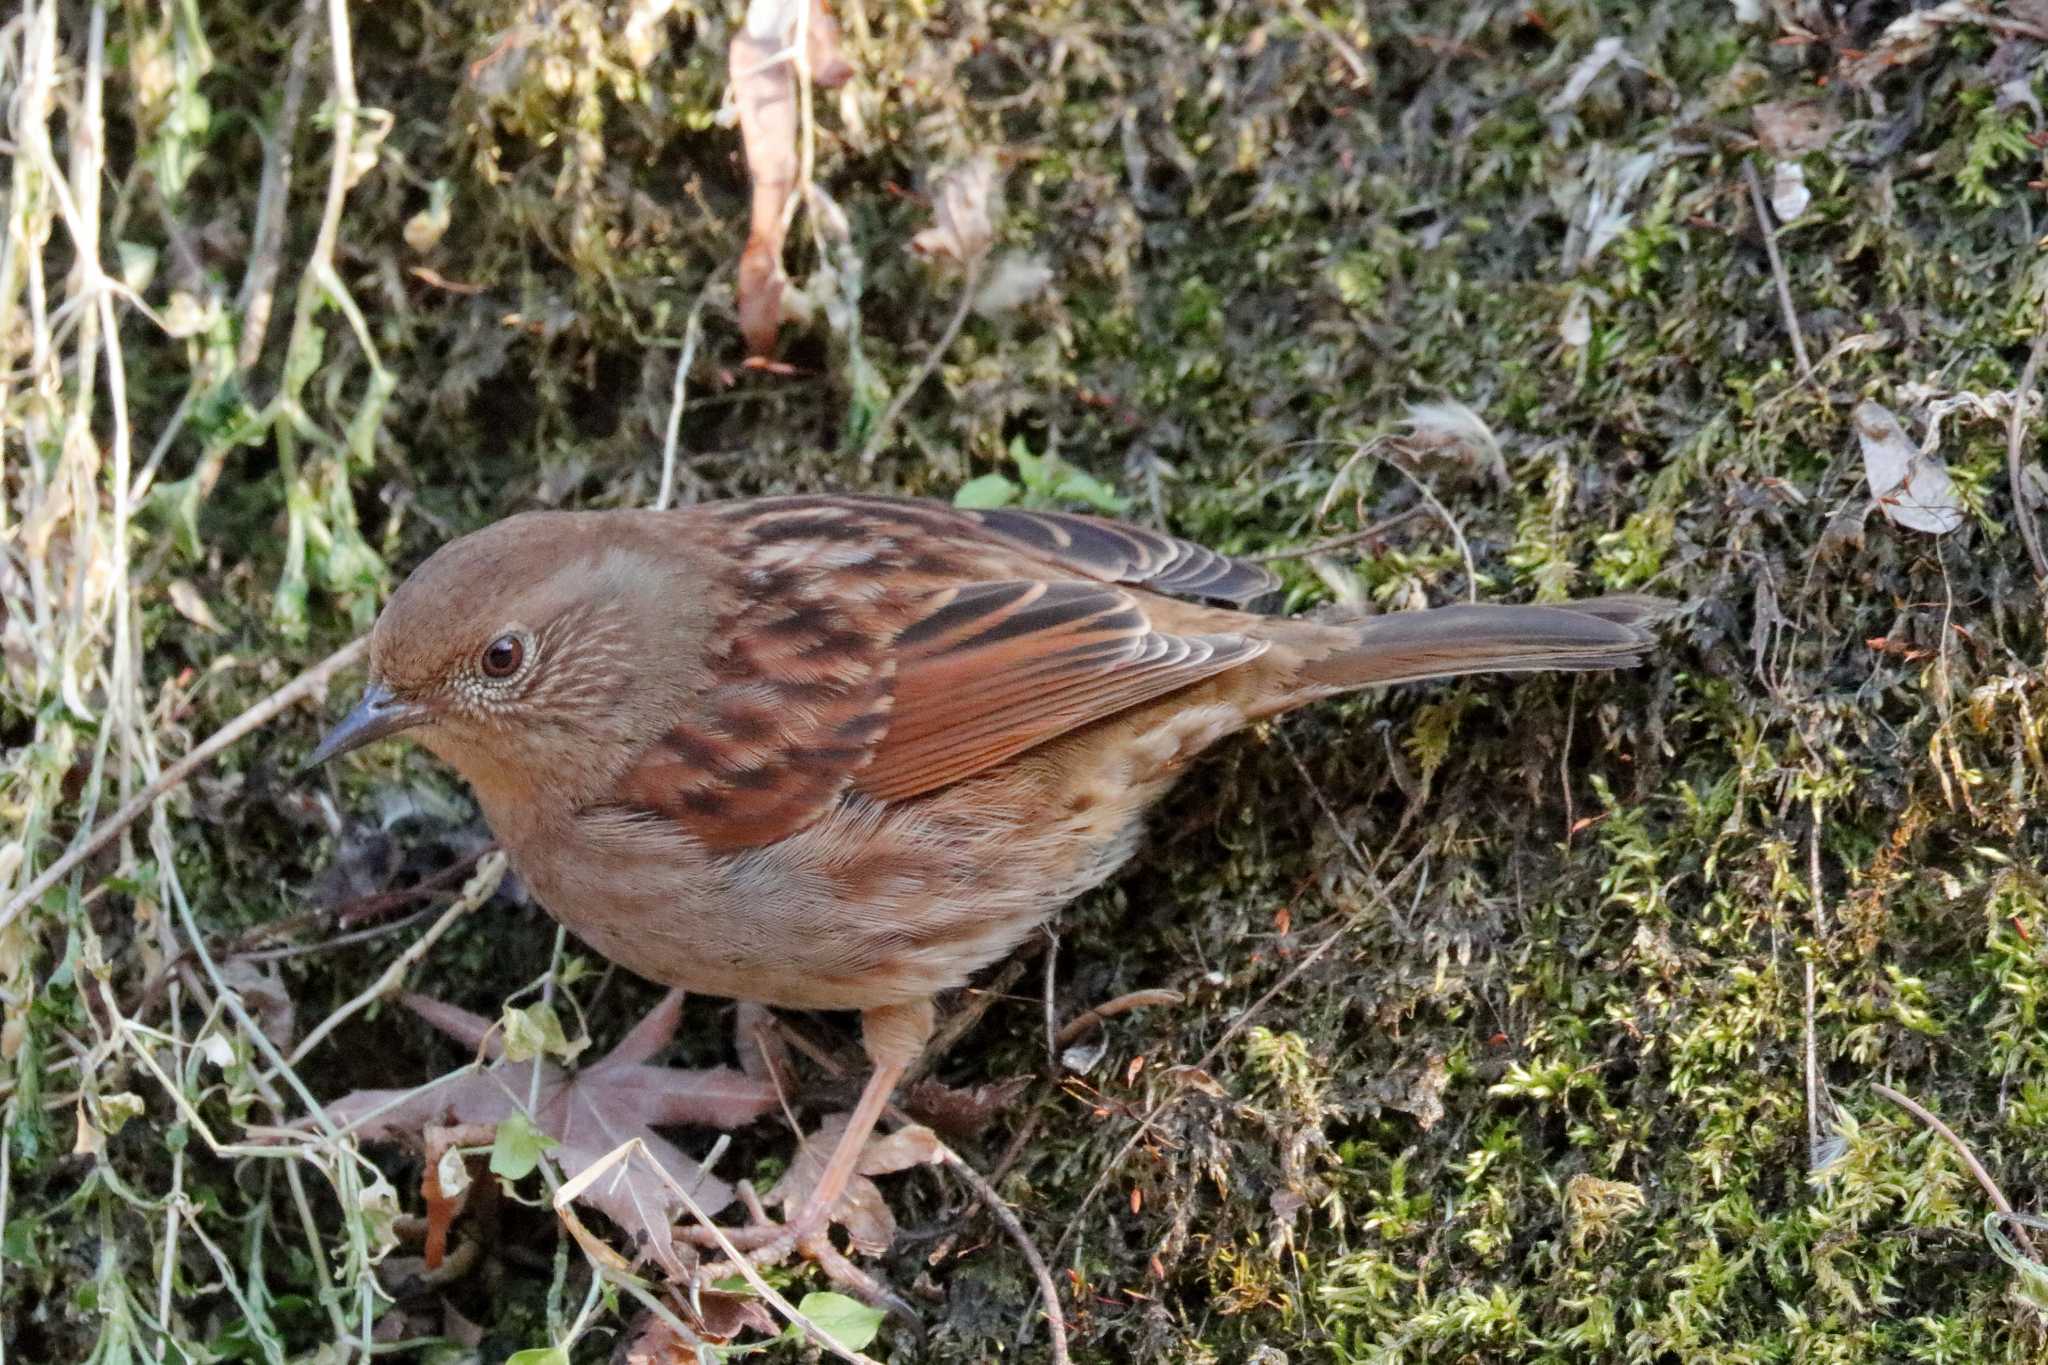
{"x": 765, "y": 1244}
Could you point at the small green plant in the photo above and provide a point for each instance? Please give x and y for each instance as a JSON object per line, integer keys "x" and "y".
{"x": 1042, "y": 481}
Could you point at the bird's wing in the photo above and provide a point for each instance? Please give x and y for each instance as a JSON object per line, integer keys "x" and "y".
{"x": 893, "y": 648}
{"x": 993, "y": 669}
{"x": 1051, "y": 545}
{"x": 801, "y": 694}
{"x": 1113, "y": 552}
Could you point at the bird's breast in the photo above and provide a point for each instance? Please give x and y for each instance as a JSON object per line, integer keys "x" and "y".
{"x": 874, "y": 904}
{"x": 877, "y": 902}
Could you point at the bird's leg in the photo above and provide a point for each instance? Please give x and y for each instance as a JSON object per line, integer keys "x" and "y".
{"x": 845, "y": 1159}
{"x": 894, "y": 1036}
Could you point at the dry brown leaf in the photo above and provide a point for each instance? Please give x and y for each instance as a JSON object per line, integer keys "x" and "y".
{"x": 1789, "y": 195}
{"x": 1013, "y": 281}
{"x": 588, "y": 1112}
{"x": 962, "y": 1113}
{"x": 1447, "y": 433}
{"x": 764, "y": 92}
{"x": 829, "y": 66}
{"x": 861, "y": 1210}
{"x": 1910, "y": 37}
{"x": 966, "y": 202}
{"x": 1912, "y": 488}
{"x": 1418, "y": 1093}
{"x": 263, "y": 990}
{"x": 446, "y": 1180}
{"x": 763, "y": 1051}
{"x": 1787, "y": 130}
{"x": 1793, "y": 127}
{"x": 190, "y": 605}
{"x": 642, "y": 36}
{"x": 713, "y": 1316}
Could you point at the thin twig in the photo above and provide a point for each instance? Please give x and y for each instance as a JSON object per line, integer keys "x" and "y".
{"x": 489, "y": 873}
{"x": 624, "y": 1153}
{"x": 1990, "y": 1186}
{"x": 250, "y": 946}
{"x": 266, "y": 247}
{"x": 368, "y": 909}
{"x": 1359, "y": 451}
{"x": 1381, "y": 893}
{"x": 1564, "y": 761}
{"x": 1055, "y": 1319}
{"x": 310, "y": 683}
{"x": 1996, "y": 23}
{"x": 341, "y": 1166}
{"x": 924, "y": 371}
{"x": 547, "y": 1002}
{"x": 1343, "y": 542}
{"x": 1820, "y": 926}
{"x": 693, "y": 332}
{"x": 320, "y": 271}
{"x": 125, "y": 691}
{"x": 145, "y": 478}
{"x": 1346, "y": 53}
{"x": 6, "y": 1172}
{"x": 1109, "y": 1009}
{"x": 807, "y": 124}
{"x": 2015, "y": 433}
{"x": 1770, "y": 236}
{"x": 1050, "y": 984}
{"x": 1021, "y": 1140}
{"x": 1315, "y": 791}
{"x": 328, "y": 945}
{"x": 960, "y": 1022}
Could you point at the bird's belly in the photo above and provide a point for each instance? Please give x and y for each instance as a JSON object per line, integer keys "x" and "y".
{"x": 872, "y": 906}
{"x": 878, "y": 903}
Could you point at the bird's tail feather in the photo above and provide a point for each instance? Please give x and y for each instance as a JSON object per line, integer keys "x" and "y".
{"x": 1448, "y": 642}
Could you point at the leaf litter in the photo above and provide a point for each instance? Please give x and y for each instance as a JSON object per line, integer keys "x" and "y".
{"x": 764, "y": 94}
{"x": 1912, "y": 486}
{"x": 582, "y": 1114}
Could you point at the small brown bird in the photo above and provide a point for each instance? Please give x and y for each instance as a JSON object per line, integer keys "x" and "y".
{"x": 840, "y": 752}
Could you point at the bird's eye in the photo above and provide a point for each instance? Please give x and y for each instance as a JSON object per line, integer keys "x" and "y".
{"x": 503, "y": 656}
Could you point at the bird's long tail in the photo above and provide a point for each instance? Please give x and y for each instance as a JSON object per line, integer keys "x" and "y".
{"x": 1410, "y": 646}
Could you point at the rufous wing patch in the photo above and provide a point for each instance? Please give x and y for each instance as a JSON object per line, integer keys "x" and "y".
{"x": 802, "y": 697}
{"x": 994, "y": 669}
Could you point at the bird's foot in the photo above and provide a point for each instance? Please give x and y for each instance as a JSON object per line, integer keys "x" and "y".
{"x": 762, "y": 1239}
{"x": 823, "y": 1197}
{"x": 765, "y": 1243}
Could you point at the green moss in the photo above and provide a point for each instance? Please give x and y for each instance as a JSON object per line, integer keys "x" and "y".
{"x": 1547, "y": 1099}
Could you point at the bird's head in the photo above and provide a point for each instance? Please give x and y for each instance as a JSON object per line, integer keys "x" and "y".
{"x": 543, "y": 644}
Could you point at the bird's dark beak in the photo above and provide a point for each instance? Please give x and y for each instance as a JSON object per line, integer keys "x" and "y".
{"x": 376, "y": 714}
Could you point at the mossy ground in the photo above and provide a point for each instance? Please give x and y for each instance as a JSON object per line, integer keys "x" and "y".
{"x": 1547, "y": 1099}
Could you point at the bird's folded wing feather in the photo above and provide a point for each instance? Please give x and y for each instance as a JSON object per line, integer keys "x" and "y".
{"x": 994, "y": 669}
{"x": 1034, "y": 544}
{"x": 800, "y": 700}
{"x": 1091, "y": 547}
{"x": 894, "y": 648}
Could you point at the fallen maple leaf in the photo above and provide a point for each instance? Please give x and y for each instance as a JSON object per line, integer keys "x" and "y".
{"x": 861, "y": 1210}
{"x": 586, "y": 1113}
